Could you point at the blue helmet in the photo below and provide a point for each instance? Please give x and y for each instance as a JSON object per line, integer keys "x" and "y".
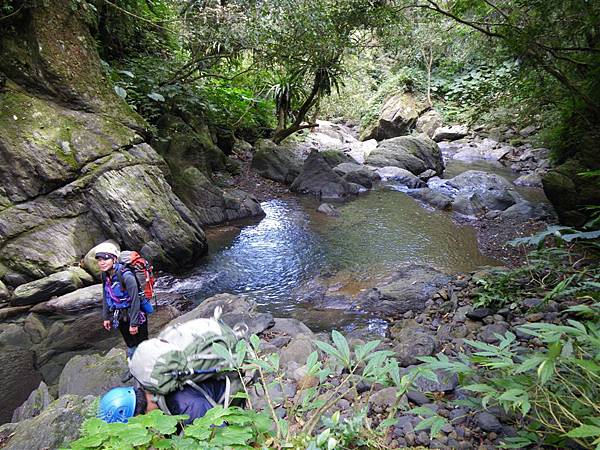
{"x": 117, "y": 405}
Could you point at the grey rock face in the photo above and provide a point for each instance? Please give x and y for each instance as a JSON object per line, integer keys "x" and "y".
{"x": 276, "y": 163}
{"x": 290, "y": 327}
{"x": 73, "y": 302}
{"x": 56, "y": 284}
{"x": 230, "y": 304}
{"x": 38, "y": 401}
{"x": 19, "y": 378}
{"x": 414, "y": 154}
{"x": 298, "y": 350}
{"x": 211, "y": 204}
{"x": 411, "y": 344}
{"x": 318, "y": 179}
{"x": 397, "y": 117}
{"x": 429, "y": 122}
{"x": 92, "y": 374}
{"x": 57, "y": 424}
{"x": 488, "y": 422}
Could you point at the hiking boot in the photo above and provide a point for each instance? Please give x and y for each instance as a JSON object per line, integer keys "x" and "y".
{"x": 126, "y": 376}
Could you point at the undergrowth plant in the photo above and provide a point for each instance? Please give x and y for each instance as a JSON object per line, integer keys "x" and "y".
{"x": 311, "y": 419}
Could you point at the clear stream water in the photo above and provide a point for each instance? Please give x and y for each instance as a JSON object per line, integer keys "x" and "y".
{"x": 272, "y": 260}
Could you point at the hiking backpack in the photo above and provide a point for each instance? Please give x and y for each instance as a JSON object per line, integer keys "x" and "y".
{"x": 142, "y": 269}
{"x": 182, "y": 355}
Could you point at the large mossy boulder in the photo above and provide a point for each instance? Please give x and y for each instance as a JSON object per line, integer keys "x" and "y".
{"x": 56, "y": 284}
{"x": 275, "y": 162}
{"x": 73, "y": 168}
{"x": 570, "y": 192}
{"x": 89, "y": 297}
{"x": 397, "y": 117}
{"x": 37, "y": 401}
{"x": 57, "y": 425}
{"x": 318, "y": 178}
{"x": 415, "y": 154}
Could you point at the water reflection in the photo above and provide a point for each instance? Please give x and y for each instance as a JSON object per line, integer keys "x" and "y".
{"x": 293, "y": 244}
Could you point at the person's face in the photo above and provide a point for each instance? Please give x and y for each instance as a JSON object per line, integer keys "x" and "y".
{"x": 105, "y": 264}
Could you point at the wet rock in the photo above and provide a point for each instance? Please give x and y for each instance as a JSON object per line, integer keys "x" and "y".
{"x": 431, "y": 197}
{"x": 318, "y": 179}
{"x": 384, "y": 398}
{"x": 60, "y": 422}
{"x": 488, "y": 422}
{"x": 533, "y": 179}
{"x": 402, "y": 176}
{"x": 408, "y": 289}
{"x": 450, "y": 133}
{"x": 277, "y": 163}
{"x": 328, "y": 209}
{"x": 408, "y": 152}
{"x": 357, "y": 173}
{"x": 55, "y": 284}
{"x": 446, "y": 382}
{"x": 290, "y": 327}
{"x": 73, "y": 302}
{"x": 37, "y": 401}
{"x": 92, "y": 374}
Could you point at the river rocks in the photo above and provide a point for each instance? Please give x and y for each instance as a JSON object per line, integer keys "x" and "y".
{"x": 37, "y": 401}
{"x": 533, "y": 179}
{"x": 412, "y": 343}
{"x": 275, "y": 162}
{"x": 398, "y": 115}
{"x": 298, "y": 350}
{"x": 357, "y": 173}
{"x": 229, "y": 303}
{"x": 328, "y": 209}
{"x": 431, "y": 197}
{"x": 290, "y": 327}
{"x": 92, "y": 374}
{"x": 488, "y": 422}
{"x": 401, "y": 176}
{"x": 360, "y": 150}
{"x": 335, "y": 157}
{"x": 429, "y": 122}
{"x": 414, "y": 154}
{"x": 525, "y": 210}
{"x": 53, "y": 427}
{"x": 73, "y": 302}
{"x": 450, "y": 133}
{"x": 211, "y": 204}
{"x": 318, "y": 179}
{"x": 487, "y": 149}
{"x": 45, "y": 288}
{"x": 5, "y": 313}
{"x": 407, "y": 290}
{"x": 475, "y": 192}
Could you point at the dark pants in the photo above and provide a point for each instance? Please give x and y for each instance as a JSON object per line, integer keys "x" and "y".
{"x": 133, "y": 340}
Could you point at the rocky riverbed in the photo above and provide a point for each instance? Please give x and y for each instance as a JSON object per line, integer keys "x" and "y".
{"x": 440, "y": 320}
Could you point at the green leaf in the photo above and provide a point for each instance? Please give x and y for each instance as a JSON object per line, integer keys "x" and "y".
{"x": 94, "y": 440}
{"x": 342, "y": 345}
{"x": 127, "y": 72}
{"x": 255, "y": 342}
{"x": 328, "y": 349}
{"x": 584, "y": 431}
{"x": 362, "y": 351}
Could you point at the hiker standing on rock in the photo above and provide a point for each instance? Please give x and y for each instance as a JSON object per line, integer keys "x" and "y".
{"x": 121, "y": 299}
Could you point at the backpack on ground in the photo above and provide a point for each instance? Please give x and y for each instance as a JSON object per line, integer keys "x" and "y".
{"x": 142, "y": 269}
{"x": 182, "y": 355}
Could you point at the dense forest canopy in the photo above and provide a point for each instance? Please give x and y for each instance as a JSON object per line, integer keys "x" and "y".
{"x": 288, "y": 56}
